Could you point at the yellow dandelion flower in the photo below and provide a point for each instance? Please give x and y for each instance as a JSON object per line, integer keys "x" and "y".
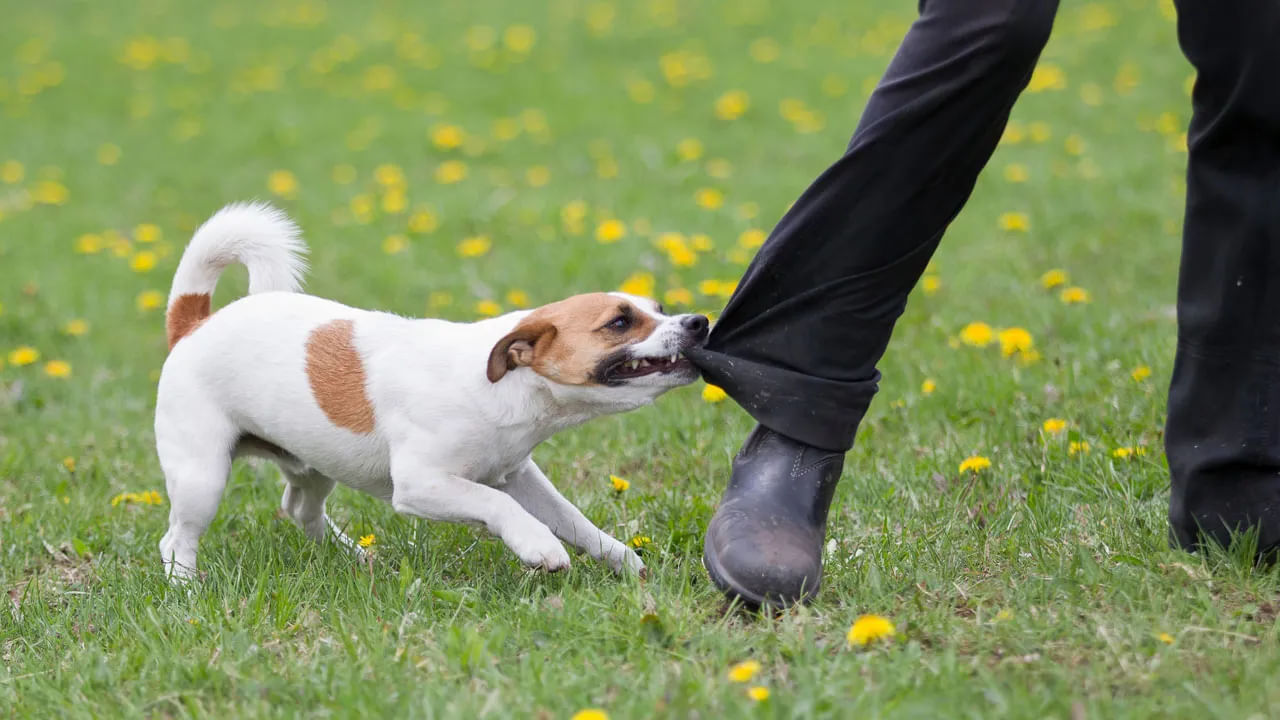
{"x": 142, "y": 261}
{"x": 149, "y": 497}
{"x": 343, "y": 174}
{"x": 764, "y": 50}
{"x": 689, "y": 149}
{"x": 1122, "y": 453}
{"x": 368, "y": 540}
{"x": 1074, "y": 145}
{"x": 678, "y": 296}
{"x": 759, "y": 693}
{"x": 1053, "y": 278}
{"x": 752, "y": 238}
{"x": 488, "y": 308}
{"x": 640, "y": 283}
{"x": 518, "y": 298}
{"x": 537, "y": 176}
{"x": 682, "y": 255}
{"x": 977, "y": 334}
{"x": 1074, "y": 295}
{"x": 640, "y": 541}
{"x": 12, "y": 172}
{"x": 868, "y": 629}
{"x": 1039, "y": 131}
{"x": 24, "y": 355}
{"x": 610, "y": 231}
{"x": 590, "y": 714}
{"x": 640, "y": 91}
{"x": 1047, "y": 77}
{"x": 1078, "y": 447}
{"x": 108, "y": 154}
{"x": 394, "y": 244}
{"x": 1004, "y": 614}
{"x": 282, "y": 183}
{"x": 389, "y": 175}
{"x": 89, "y": 244}
{"x": 1140, "y": 373}
{"x": 619, "y": 484}
{"x": 57, "y": 369}
{"x": 439, "y": 299}
{"x": 148, "y": 233}
{"x": 1016, "y": 173}
{"x": 701, "y": 242}
{"x": 719, "y": 168}
{"x": 1014, "y": 222}
{"x": 731, "y": 105}
{"x": 150, "y": 300}
{"x": 448, "y": 137}
{"x": 1014, "y": 133}
{"x": 928, "y": 386}
{"x": 1165, "y": 638}
{"x": 519, "y": 38}
{"x": 76, "y": 327}
{"x": 744, "y": 671}
{"x": 423, "y": 221}
{"x": 713, "y": 393}
{"x": 1053, "y": 426}
{"x": 474, "y": 246}
{"x": 930, "y": 285}
{"x": 709, "y": 198}
{"x": 1015, "y": 340}
{"x": 50, "y": 192}
{"x": 69, "y": 463}
{"x": 451, "y": 171}
{"x": 975, "y": 463}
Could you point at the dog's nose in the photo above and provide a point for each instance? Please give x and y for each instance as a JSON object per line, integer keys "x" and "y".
{"x": 695, "y": 324}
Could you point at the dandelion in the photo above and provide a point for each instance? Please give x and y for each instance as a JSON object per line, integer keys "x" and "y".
{"x": 751, "y": 239}
{"x": 1014, "y": 222}
{"x": 537, "y": 176}
{"x": 744, "y": 671}
{"x": 610, "y": 231}
{"x": 719, "y": 168}
{"x": 1016, "y": 173}
{"x": 474, "y": 246}
{"x": 928, "y": 386}
{"x": 367, "y": 540}
{"x": 977, "y": 334}
{"x": 488, "y": 308}
{"x": 731, "y": 105}
{"x": 1140, "y": 373}
{"x": 394, "y": 244}
{"x": 1165, "y": 638}
{"x": 1003, "y": 615}
{"x": 759, "y": 693}
{"x": 975, "y": 463}
{"x": 142, "y": 261}
{"x": 89, "y": 244}
{"x": 12, "y": 172}
{"x": 282, "y": 183}
{"x": 640, "y": 542}
{"x": 150, "y": 300}
{"x": 714, "y": 393}
{"x": 1124, "y": 453}
{"x": 590, "y": 714}
{"x": 57, "y": 369}
{"x": 439, "y": 299}
{"x": 69, "y": 463}
{"x": 619, "y": 484}
{"x": 709, "y": 198}
{"x": 1014, "y": 340}
{"x": 519, "y": 38}
{"x": 678, "y": 296}
{"x": 689, "y": 149}
{"x": 50, "y": 192}
{"x": 764, "y": 50}
{"x": 1078, "y": 447}
{"x": 868, "y": 629}
{"x": 1074, "y": 145}
{"x": 149, "y": 497}
{"x": 148, "y": 233}
{"x": 640, "y": 283}
{"x": 447, "y": 137}
{"x": 108, "y": 154}
{"x": 24, "y": 355}
{"x": 450, "y": 172}
{"x": 343, "y": 174}
{"x": 423, "y": 221}
{"x": 1053, "y": 278}
{"x": 1039, "y": 131}
{"x": 519, "y": 298}
{"x": 1046, "y": 77}
{"x": 930, "y": 284}
{"x": 1053, "y": 426}
{"x": 1074, "y": 295}
{"x": 1014, "y": 133}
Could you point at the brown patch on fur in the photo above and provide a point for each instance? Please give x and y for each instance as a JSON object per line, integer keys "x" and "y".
{"x": 337, "y": 376}
{"x": 185, "y": 315}
{"x": 566, "y": 340}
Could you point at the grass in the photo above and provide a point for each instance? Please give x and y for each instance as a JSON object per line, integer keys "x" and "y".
{"x": 1039, "y": 587}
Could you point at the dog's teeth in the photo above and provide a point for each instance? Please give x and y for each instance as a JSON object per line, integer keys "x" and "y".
{"x": 673, "y": 358}
{"x": 633, "y": 364}
{"x": 644, "y": 362}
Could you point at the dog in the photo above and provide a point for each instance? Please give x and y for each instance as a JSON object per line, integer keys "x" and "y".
{"x": 438, "y": 418}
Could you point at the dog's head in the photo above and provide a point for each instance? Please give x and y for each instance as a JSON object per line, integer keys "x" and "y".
{"x": 620, "y": 349}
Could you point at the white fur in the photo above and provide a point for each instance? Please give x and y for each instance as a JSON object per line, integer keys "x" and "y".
{"x": 447, "y": 444}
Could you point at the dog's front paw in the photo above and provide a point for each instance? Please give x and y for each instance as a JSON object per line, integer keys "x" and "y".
{"x": 624, "y": 560}
{"x": 538, "y": 548}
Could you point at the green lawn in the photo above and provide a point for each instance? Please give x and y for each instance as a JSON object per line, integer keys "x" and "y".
{"x": 1041, "y": 586}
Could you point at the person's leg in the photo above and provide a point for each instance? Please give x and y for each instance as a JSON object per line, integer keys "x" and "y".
{"x": 798, "y": 342}
{"x": 1223, "y": 431}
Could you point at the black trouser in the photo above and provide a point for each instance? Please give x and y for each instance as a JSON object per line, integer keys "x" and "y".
{"x": 798, "y": 342}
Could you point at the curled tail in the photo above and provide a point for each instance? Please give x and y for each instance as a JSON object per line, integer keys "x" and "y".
{"x": 256, "y": 235}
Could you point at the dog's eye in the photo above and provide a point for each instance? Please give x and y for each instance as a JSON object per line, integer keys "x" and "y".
{"x": 620, "y": 323}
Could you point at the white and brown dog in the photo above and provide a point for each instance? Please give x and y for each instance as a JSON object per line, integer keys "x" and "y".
{"x": 439, "y": 418}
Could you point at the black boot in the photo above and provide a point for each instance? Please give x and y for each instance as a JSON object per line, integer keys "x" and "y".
{"x": 764, "y": 544}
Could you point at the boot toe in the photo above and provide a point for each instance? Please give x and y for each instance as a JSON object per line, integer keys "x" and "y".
{"x": 762, "y": 560}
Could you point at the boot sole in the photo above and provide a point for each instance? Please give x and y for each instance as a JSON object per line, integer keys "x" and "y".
{"x": 734, "y": 590}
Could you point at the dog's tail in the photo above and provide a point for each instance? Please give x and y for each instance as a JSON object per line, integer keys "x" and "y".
{"x": 256, "y": 235}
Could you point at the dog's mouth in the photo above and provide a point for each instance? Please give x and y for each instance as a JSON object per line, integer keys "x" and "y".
{"x": 630, "y": 368}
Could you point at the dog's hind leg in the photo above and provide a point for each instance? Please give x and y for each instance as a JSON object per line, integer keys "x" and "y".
{"x": 195, "y": 455}
{"x": 303, "y": 500}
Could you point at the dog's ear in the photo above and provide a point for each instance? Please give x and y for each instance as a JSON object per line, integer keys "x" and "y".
{"x": 519, "y": 347}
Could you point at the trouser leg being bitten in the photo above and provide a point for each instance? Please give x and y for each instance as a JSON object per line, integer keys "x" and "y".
{"x": 1223, "y": 432}
{"x": 798, "y": 342}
